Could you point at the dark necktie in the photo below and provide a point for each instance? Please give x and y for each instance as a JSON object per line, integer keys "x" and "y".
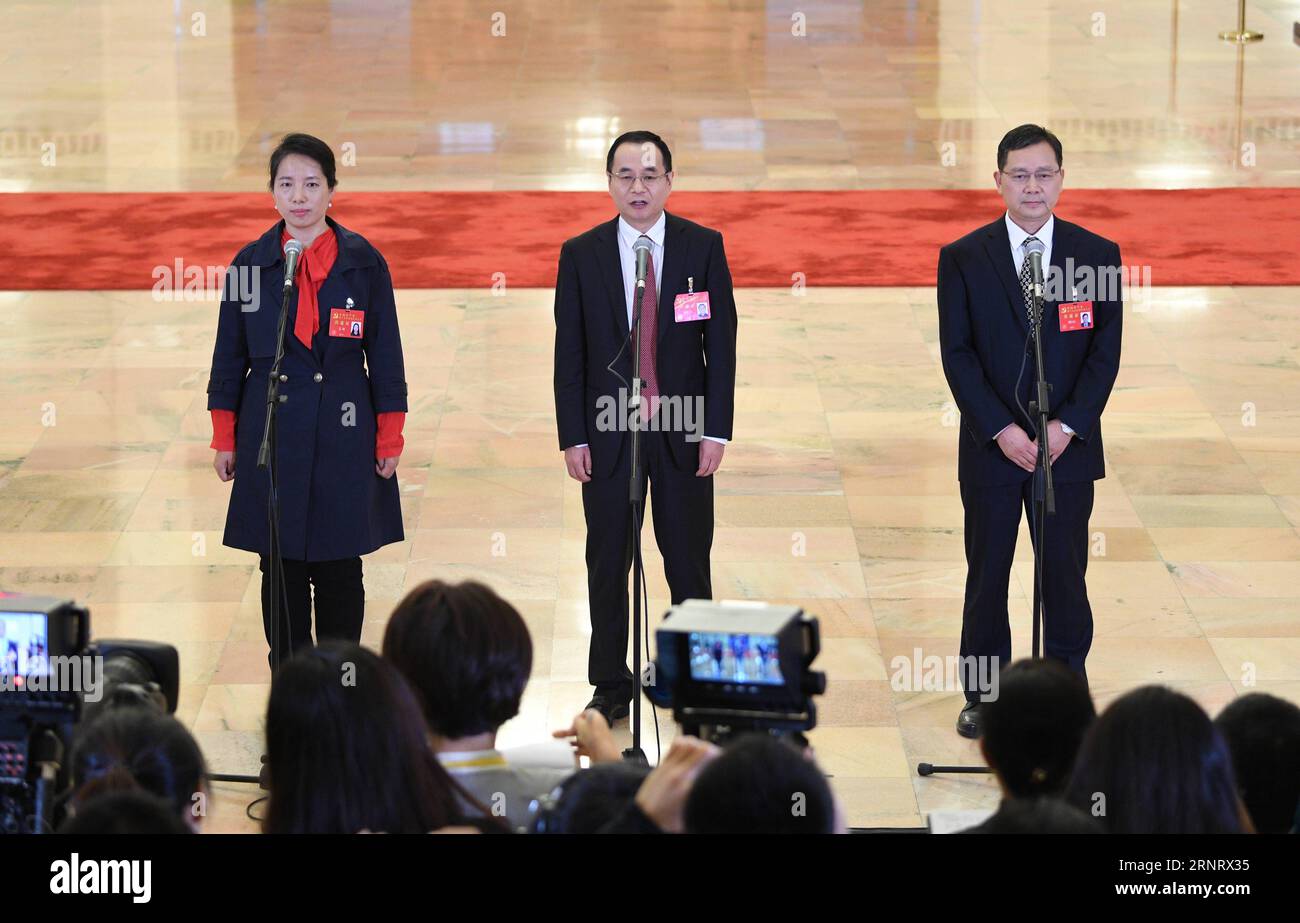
{"x": 1027, "y": 283}
{"x": 649, "y": 333}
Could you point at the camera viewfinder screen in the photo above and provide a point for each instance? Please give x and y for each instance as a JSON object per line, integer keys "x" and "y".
{"x": 722, "y": 657}
{"x": 24, "y": 643}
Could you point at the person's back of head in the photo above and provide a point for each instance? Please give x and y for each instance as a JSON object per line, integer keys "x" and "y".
{"x": 1263, "y": 736}
{"x": 1154, "y": 763}
{"x": 1038, "y": 815}
{"x": 347, "y": 750}
{"x": 134, "y": 811}
{"x": 589, "y": 799}
{"x": 760, "y": 784}
{"x": 466, "y": 654}
{"x": 139, "y": 748}
{"x": 1033, "y": 728}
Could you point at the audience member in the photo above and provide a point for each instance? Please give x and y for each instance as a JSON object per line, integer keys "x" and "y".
{"x": 132, "y": 748}
{"x": 347, "y": 751}
{"x": 761, "y": 784}
{"x": 1038, "y": 814}
{"x": 1263, "y": 736}
{"x": 134, "y": 811}
{"x": 467, "y": 655}
{"x": 1154, "y": 763}
{"x": 589, "y": 799}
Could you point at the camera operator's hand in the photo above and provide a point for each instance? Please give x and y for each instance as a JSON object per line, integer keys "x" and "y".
{"x": 591, "y": 737}
{"x": 662, "y": 796}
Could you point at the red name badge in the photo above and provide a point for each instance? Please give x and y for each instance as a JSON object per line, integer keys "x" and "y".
{"x": 345, "y": 323}
{"x": 690, "y": 306}
{"x": 1076, "y": 315}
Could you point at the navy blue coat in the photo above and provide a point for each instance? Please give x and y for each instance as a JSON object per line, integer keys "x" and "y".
{"x": 332, "y": 503}
{"x": 982, "y": 330}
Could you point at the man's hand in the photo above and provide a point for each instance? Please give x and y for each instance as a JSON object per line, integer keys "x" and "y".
{"x": 577, "y": 461}
{"x": 385, "y": 467}
{"x": 224, "y": 463}
{"x": 591, "y": 737}
{"x": 710, "y": 457}
{"x": 662, "y": 796}
{"x": 1057, "y": 440}
{"x": 1018, "y": 447}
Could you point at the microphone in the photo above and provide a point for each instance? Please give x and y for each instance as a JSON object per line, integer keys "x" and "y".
{"x": 292, "y": 250}
{"x": 641, "y": 248}
{"x": 1034, "y": 250}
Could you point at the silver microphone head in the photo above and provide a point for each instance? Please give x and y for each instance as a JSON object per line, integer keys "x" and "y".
{"x": 1034, "y": 250}
{"x": 641, "y": 249}
{"x": 292, "y": 251}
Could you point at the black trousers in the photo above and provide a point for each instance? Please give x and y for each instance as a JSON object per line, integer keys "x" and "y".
{"x": 682, "y": 511}
{"x": 340, "y": 603}
{"x": 992, "y": 521}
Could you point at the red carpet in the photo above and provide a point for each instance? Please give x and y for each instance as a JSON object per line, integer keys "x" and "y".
{"x": 460, "y": 239}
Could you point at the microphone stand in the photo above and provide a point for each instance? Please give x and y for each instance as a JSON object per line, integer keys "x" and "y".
{"x": 636, "y": 492}
{"x": 268, "y": 460}
{"x": 1044, "y": 495}
{"x": 1044, "y": 490}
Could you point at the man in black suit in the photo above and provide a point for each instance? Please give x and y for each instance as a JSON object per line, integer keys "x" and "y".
{"x": 688, "y": 366}
{"x": 987, "y": 358}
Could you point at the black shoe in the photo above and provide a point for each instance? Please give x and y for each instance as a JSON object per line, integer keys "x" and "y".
{"x": 968, "y": 722}
{"x": 609, "y": 706}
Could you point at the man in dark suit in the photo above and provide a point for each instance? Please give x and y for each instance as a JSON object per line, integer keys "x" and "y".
{"x": 987, "y": 357}
{"x": 688, "y": 366}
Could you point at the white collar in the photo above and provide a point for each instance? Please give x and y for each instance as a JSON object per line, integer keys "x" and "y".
{"x": 1019, "y": 235}
{"x": 629, "y": 234}
{"x": 471, "y": 760}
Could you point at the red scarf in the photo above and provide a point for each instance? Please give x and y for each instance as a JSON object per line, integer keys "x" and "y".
{"x": 315, "y": 264}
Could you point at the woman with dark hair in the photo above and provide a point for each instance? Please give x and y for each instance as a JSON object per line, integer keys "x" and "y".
{"x": 342, "y": 402}
{"x": 347, "y": 752}
{"x": 1153, "y": 762}
{"x": 1032, "y": 730}
{"x": 138, "y": 749}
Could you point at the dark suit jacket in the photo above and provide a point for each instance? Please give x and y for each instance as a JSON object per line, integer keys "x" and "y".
{"x": 982, "y": 339}
{"x": 696, "y": 359}
{"x": 332, "y": 503}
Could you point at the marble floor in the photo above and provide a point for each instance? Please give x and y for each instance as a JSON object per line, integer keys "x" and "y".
{"x": 838, "y": 495}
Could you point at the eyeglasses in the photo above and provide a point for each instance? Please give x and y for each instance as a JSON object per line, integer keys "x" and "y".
{"x": 1020, "y": 177}
{"x": 628, "y": 180}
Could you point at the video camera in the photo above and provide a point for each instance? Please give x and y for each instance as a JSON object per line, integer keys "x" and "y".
{"x": 734, "y": 666}
{"x": 51, "y": 679}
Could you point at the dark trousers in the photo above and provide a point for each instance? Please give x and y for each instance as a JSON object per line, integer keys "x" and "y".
{"x": 681, "y": 507}
{"x": 992, "y": 521}
{"x": 340, "y": 603}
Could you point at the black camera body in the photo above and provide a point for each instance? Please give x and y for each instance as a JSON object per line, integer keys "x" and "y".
{"x": 736, "y": 666}
{"x": 51, "y": 679}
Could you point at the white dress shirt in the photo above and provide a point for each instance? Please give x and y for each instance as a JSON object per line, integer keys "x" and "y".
{"x": 1019, "y": 235}
{"x": 627, "y": 236}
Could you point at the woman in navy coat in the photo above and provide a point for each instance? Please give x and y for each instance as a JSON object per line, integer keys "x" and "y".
{"x": 343, "y": 406}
